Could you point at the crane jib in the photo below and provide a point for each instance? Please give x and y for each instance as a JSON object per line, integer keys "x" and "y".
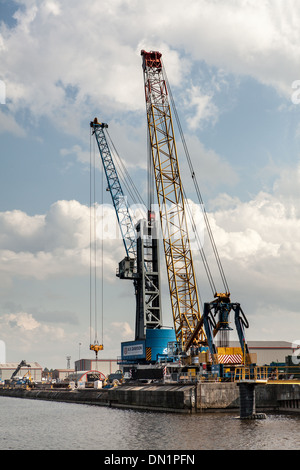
{"x": 178, "y": 254}
{"x": 191, "y": 328}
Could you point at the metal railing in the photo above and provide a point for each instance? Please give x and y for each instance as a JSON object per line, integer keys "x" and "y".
{"x": 266, "y": 373}
{"x": 256, "y": 373}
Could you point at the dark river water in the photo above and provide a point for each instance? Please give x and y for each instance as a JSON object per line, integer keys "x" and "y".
{"x": 41, "y": 425}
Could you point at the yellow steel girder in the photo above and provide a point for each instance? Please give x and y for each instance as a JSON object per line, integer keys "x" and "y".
{"x": 177, "y": 247}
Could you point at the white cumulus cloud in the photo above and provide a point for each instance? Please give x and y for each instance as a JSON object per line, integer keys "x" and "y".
{"x": 58, "y": 71}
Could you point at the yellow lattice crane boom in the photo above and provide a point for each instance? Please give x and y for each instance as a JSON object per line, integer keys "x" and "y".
{"x": 191, "y": 328}
{"x": 177, "y": 247}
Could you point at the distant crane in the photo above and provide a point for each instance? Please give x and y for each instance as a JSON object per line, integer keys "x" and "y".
{"x": 191, "y": 328}
{"x": 23, "y": 363}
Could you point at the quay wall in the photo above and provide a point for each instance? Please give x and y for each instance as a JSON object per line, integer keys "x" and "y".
{"x": 177, "y": 398}
{"x": 283, "y": 396}
{"x": 217, "y": 395}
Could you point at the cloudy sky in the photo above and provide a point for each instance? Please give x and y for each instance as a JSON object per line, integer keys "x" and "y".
{"x": 234, "y": 71}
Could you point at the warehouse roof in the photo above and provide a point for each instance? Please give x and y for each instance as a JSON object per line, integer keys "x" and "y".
{"x": 266, "y": 344}
{"x": 14, "y": 365}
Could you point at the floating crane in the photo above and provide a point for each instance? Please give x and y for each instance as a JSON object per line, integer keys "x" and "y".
{"x": 191, "y": 328}
{"x": 140, "y": 242}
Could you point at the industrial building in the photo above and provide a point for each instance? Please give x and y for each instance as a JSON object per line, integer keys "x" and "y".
{"x": 269, "y": 351}
{"x": 61, "y": 374}
{"x": 7, "y": 370}
{"x": 106, "y": 366}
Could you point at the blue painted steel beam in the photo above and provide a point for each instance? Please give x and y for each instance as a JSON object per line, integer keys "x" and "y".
{"x": 119, "y": 199}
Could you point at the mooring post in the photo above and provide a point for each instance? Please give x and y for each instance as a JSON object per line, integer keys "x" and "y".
{"x": 247, "y": 401}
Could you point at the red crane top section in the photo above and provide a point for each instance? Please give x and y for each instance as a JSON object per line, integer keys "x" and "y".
{"x": 151, "y": 59}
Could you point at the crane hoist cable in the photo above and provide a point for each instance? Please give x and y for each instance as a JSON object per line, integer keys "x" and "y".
{"x": 193, "y": 175}
{"x": 94, "y": 345}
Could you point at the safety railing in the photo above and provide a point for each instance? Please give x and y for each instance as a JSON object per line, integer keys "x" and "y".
{"x": 267, "y": 373}
{"x": 256, "y": 373}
